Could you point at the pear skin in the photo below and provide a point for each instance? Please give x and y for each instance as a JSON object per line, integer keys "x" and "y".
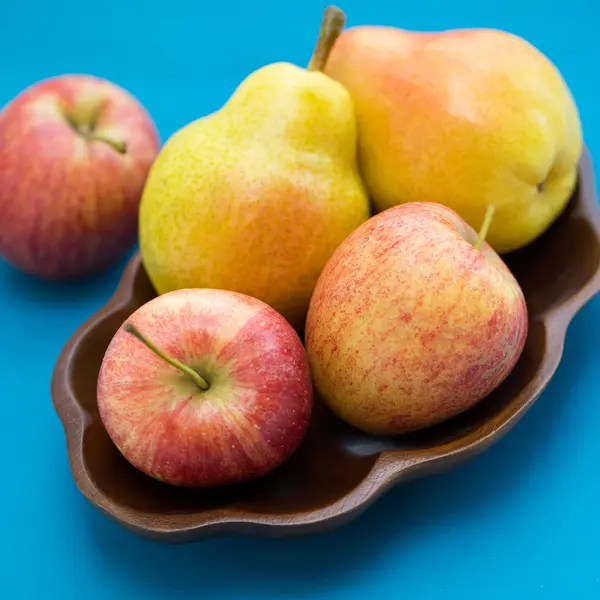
{"x": 464, "y": 118}
{"x": 256, "y": 197}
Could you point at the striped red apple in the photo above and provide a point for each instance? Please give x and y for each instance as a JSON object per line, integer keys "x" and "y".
{"x": 75, "y": 151}
{"x": 203, "y": 387}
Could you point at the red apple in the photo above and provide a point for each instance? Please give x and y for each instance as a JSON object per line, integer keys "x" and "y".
{"x": 205, "y": 387}
{"x": 75, "y": 152}
{"x": 410, "y": 323}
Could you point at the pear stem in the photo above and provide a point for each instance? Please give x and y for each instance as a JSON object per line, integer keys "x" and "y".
{"x": 332, "y": 24}
{"x": 196, "y": 378}
{"x": 485, "y": 226}
{"x": 118, "y": 145}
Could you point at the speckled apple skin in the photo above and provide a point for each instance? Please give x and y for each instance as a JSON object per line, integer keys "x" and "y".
{"x": 409, "y": 324}
{"x": 250, "y": 420}
{"x": 69, "y": 206}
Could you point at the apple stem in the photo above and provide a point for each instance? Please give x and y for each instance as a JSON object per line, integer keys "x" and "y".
{"x": 485, "y": 226}
{"x": 332, "y": 24}
{"x": 118, "y": 145}
{"x": 196, "y": 378}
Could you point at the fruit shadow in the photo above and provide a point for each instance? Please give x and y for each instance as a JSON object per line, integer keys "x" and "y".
{"x": 79, "y": 291}
{"x": 295, "y": 566}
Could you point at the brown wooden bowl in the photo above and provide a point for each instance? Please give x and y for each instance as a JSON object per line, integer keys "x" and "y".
{"x": 338, "y": 471}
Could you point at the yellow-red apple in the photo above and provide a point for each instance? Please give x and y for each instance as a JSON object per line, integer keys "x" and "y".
{"x": 75, "y": 151}
{"x": 205, "y": 387}
{"x": 410, "y": 323}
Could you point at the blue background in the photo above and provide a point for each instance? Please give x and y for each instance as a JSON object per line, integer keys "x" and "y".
{"x": 521, "y": 521}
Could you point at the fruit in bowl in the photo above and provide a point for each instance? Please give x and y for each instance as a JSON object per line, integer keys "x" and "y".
{"x": 75, "y": 151}
{"x": 414, "y": 320}
{"x": 256, "y": 197}
{"x": 201, "y": 388}
{"x": 464, "y": 118}
{"x": 338, "y": 470}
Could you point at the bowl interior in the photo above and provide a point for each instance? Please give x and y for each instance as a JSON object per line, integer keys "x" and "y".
{"x": 335, "y": 458}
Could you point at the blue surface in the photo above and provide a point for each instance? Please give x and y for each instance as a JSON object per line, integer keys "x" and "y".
{"x": 521, "y": 521}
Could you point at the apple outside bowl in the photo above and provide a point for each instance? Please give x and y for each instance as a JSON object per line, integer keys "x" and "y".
{"x": 338, "y": 471}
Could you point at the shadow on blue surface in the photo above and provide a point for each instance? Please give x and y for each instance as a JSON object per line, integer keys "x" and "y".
{"x": 78, "y": 292}
{"x": 404, "y": 518}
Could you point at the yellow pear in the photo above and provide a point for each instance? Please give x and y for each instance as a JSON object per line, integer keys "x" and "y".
{"x": 256, "y": 197}
{"x": 464, "y": 118}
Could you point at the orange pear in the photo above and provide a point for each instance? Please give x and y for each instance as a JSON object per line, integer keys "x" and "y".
{"x": 465, "y": 118}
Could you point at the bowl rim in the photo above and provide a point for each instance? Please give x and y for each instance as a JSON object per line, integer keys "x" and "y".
{"x": 389, "y": 468}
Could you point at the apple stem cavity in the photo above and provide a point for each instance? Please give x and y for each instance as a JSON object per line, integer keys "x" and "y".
{"x": 86, "y": 130}
{"x": 196, "y": 378}
{"x": 332, "y": 25}
{"x": 117, "y": 145}
{"x": 485, "y": 226}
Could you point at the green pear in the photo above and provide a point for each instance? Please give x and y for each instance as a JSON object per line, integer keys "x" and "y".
{"x": 255, "y": 197}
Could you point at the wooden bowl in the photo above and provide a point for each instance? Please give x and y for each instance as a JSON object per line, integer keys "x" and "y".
{"x": 337, "y": 472}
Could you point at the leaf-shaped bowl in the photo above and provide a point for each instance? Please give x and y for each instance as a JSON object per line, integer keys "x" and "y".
{"x": 337, "y": 472}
